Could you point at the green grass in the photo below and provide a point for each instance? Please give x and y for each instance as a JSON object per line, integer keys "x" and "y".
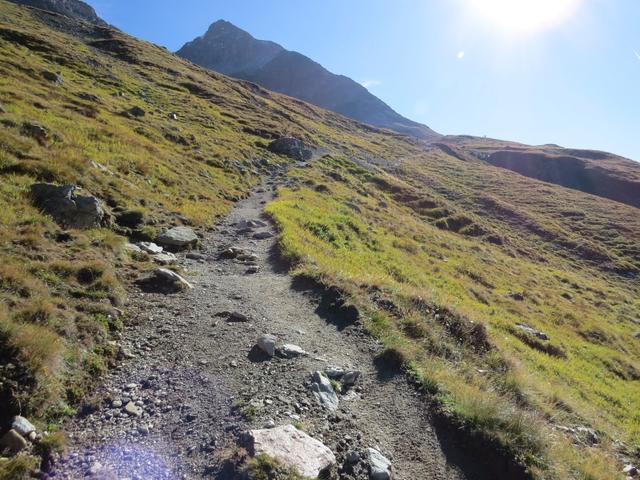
{"x": 453, "y": 289}
{"x": 447, "y": 240}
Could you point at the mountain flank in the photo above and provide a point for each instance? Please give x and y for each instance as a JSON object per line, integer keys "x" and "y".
{"x": 598, "y": 173}
{"x": 228, "y": 49}
{"x": 70, "y": 8}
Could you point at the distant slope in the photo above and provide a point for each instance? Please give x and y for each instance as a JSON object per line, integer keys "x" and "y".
{"x": 227, "y": 49}
{"x": 70, "y": 8}
{"x": 598, "y": 173}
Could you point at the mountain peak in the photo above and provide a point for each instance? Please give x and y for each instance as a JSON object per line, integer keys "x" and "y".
{"x": 228, "y": 49}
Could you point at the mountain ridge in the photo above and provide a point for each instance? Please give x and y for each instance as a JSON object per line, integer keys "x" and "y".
{"x": 292, "y": 73}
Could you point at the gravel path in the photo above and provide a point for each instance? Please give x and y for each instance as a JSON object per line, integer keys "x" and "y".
{"x": 198, "y": 380}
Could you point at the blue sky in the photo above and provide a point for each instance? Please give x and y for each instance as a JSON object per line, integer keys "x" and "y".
{"x": 450, "y": 64}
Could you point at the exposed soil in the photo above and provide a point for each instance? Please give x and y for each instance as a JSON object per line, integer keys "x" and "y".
{"x": 200, "y": 380}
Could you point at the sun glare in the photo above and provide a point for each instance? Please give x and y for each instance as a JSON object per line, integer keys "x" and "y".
{"x": 525, "y": 16}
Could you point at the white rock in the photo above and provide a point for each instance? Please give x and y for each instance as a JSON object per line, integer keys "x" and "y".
{"x": 379, "y": 465}
{"x": 23, "y": 426}
{"x": 165, "y": 258}
{"x": 171, "y": 276}
{"x": 267, "y": 344}
{"x": 293, "y": 448}
{"x": 150, "y": 247}
{"x": 130, "y": 247}
{"x": 289, "y": 350}
{"x": 324, "y": 392}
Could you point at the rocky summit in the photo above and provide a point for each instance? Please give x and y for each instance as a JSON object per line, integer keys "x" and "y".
{"x": 228, "y": 49}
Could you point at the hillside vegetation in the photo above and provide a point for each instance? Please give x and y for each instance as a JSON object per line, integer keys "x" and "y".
{"x": 514, "y": 303}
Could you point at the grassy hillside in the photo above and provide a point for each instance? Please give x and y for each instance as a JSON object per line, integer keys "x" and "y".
{"x": 444, "y": 254}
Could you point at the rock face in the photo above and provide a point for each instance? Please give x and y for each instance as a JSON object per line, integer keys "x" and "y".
{"x": 291, "y": 147}
{"x": 227, "y": 49}
{"x": 66, "y": 207}
{"x": 293, "y": 448}
{"x": 180, "y": 237}
{"x": 597, "y": 173}
{"x": 324, "y": 392}
{"x": 69, "y": 8}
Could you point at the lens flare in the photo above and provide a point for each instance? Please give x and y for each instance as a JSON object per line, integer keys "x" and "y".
{"x": 525, "y": 16}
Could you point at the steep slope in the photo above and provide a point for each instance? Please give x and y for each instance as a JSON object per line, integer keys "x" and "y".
{"x": 71, "y": 8}
{"x": 526, "y": 290}
{"x": 227, "y": 49}
{"x": 598, "y": 173}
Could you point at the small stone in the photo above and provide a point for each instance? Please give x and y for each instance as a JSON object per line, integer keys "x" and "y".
{"x": 165, "y": 258}
{"x": 350, "y": 378}
{"x": 289, "y": 350}
{"x": 52, "y": 77}
{"x": 253, "y": 269}
{"x": 136, "y": 112}
{"x": 133, "y": 410}
{"x": 379, "y": 465}
{"x": 95, "y": 469}
{"x": 171, "y": 277}
{"x": 262, "y": 235}
{"x": 237, "y": 317}
{"x": 130, "y": 247}
{"x": 23, "y": 426}
{"x": 143, "y": 429}
{"x": 270, "y": 424}
{"x": 324, "y": 392}
{"x": 150, "y": 247}
{"x": 630, "y": 470}
{"x": 334, "y": 372}
{"x": 267, "y": 343}
{"x": 13, "y": 442}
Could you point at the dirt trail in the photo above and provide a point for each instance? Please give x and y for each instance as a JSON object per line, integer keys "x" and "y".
{"x": 199, "y": 381}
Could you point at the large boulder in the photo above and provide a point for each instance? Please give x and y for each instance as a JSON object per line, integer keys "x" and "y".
{"x": 293, "y": 448}
{"x": 178, "y": 237}
{"x": 291, "y": 147}
{"x": 67, "y": 207}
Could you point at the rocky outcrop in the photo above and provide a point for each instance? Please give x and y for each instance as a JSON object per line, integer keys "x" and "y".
{"x": 66, "y": 207}
{"x": 291, "y": 147}
{"x": 292, "y": 447}
{"x": 227, "y": 49}
{"x": 69, "y": 8}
